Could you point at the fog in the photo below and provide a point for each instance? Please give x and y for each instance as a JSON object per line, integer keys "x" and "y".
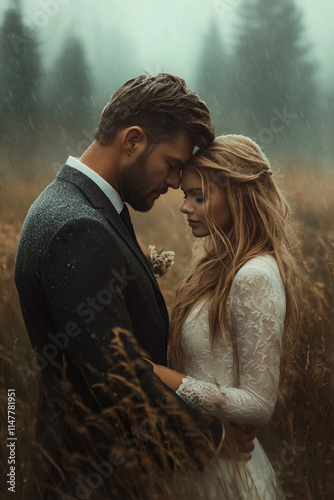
{"x": 156, "y": 34}
{"x": 265, "y": 70}
{"x": 101, "y": 44}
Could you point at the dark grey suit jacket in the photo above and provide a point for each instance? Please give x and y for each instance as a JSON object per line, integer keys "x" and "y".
{"x": 78, "y": 272}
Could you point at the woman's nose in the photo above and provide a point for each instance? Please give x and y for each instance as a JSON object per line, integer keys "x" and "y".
{"x": 185, "y": 207}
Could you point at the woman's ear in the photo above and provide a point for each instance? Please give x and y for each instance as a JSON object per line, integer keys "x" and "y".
{"x": 134, "y": 140}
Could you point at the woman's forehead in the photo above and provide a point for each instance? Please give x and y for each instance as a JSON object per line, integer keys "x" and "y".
{"x": 190, "y": 180}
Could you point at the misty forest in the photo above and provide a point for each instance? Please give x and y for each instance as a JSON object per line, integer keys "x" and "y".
{"x": 262, "y": 79}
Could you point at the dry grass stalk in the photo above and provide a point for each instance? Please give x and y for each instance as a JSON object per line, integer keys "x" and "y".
{"x": 299, "y": 440}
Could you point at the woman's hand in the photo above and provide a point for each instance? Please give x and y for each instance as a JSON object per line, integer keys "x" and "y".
{"x": 169, "y": 377}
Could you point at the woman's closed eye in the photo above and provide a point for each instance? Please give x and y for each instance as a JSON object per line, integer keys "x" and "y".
{"x": 199, "y": 199}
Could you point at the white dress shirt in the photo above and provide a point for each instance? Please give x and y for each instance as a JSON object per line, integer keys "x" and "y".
{"x": 108, "y": 190}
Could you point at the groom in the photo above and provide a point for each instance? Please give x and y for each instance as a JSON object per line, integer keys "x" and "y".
{"x": 79, "y": 270}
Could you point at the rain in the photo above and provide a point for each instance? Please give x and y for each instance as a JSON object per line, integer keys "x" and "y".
{"x": 265, "y": 70}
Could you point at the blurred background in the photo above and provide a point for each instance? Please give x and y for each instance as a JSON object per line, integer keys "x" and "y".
{"x": 265, "y": 69}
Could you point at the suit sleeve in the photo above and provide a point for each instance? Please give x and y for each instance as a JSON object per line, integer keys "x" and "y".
{"x": 85, "y": 276}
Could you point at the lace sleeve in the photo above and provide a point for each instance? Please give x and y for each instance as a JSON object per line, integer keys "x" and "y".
{"x": 257, "y": 310}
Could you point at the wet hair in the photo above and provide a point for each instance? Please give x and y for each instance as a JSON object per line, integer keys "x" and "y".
{"x": 236, "y": 166}
{"x": 162, "y": 106}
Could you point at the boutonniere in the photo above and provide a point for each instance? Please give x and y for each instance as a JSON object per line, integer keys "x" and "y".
{"x": 160, "y": 262}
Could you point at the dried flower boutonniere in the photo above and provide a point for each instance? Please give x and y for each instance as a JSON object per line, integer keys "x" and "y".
{"x": 160, "y": 262}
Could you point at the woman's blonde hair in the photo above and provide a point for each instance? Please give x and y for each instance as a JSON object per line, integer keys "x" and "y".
{"x": 235, "y": 166}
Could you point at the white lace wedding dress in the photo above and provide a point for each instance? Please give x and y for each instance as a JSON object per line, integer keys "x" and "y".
{"x": 241, "y": 387}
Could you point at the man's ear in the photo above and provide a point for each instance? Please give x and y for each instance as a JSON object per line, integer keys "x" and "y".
{"x": 134, "y": 140}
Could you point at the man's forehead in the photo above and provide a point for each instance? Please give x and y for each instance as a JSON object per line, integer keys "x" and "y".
{"x": 180, "y": 148}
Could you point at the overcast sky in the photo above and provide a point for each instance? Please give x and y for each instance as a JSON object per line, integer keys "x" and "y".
{"x": 158, "y": 34}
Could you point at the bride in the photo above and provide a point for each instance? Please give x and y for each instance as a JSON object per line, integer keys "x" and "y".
{"x": 236, "y": 310}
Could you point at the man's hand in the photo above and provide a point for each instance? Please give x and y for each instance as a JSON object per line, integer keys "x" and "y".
{"x": 244, "y": 436}
{"x": 238, "y": 443}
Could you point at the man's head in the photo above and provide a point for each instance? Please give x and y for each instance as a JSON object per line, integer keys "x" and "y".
{"x": 162, "y": 106}
{"x": 154, "y": 123}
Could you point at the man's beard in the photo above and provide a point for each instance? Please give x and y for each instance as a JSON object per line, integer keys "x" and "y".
{"x": 134, "y": 184}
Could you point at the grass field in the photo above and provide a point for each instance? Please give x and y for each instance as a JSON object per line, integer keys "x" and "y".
{"x": 300, "y": 438}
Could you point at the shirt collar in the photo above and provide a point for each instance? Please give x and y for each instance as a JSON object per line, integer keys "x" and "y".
{"x": 108, "y": 190}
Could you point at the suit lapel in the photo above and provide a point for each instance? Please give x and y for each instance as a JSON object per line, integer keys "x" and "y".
{"x": 99, "y": 200}
{"x": 116, "y": 222}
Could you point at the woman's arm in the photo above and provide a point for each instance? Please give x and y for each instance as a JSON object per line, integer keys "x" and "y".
{"x": 243, "y": 435}
{"x": 169, "y": 377}
{"x": 257, "y": 306}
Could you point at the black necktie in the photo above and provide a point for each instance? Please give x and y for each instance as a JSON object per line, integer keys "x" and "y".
{"x": 125, "y": 216}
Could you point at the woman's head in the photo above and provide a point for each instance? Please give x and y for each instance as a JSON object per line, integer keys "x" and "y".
{"x": 230, "y": 194}
{"x": 231, "y": 197}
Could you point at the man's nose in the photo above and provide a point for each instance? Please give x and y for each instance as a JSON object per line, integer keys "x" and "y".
{"x": 174, "y": 180}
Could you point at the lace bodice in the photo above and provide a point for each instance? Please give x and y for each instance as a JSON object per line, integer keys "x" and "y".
{"x": 243, "y": 390}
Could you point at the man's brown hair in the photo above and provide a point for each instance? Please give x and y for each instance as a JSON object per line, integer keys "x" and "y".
{"x": 161, "y": 105}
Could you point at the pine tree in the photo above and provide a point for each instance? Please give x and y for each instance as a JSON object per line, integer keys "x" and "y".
{"x": 326, "y": 123}
{"x": 213, "y": 80}
{"x": 274, "y": 78}
{"x": 20, "y": 73}
{"x": 70, "y": 87}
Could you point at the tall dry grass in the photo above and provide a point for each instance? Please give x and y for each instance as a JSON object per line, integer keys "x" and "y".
{"x": 299, "y": 440}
